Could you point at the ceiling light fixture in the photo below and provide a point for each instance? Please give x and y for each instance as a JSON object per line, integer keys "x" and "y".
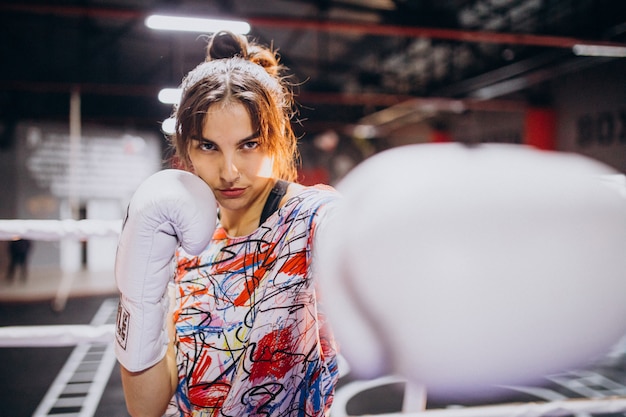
{"x": 195, "y": 24}
{"x": 600, "y": 50}
{"x": 168, "y": 126}
{"x": 170, "y": 95}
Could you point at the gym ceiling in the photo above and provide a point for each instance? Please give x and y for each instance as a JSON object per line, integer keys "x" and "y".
{"x": 350, "y": 59}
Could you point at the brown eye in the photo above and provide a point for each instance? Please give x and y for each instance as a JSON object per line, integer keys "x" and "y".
{"x": 204, "y": 145}
{"x": 252, "y": 144}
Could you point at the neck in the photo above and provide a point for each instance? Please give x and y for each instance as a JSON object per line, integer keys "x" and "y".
{"x": 246, "y": 220}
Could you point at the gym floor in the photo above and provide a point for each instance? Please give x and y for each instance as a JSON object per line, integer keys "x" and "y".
{"x": 84, "y": 380}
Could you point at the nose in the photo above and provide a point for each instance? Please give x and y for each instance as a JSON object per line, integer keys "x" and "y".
{"x": 229, "y": 172}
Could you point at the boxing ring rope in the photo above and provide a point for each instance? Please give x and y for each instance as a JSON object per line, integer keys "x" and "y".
{"x": 54, "y": 230}
{"x": 69, "y": 335}
{"x": 74, "y": 335}
{"x": 51, "y": 230}
{"x": 55, "y": 335}
{"x": 556, "y": 408}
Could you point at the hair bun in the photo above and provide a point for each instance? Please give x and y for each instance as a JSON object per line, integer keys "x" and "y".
{"x": 265, "y": 58}
{"x": 226, "y": 45}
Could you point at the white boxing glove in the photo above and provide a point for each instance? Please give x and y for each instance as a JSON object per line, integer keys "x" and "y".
{"x": 169, "y": 208}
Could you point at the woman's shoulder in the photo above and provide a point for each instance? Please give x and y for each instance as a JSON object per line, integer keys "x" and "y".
{"x": 306, "y": 197}
{"x": 318, "y": 192}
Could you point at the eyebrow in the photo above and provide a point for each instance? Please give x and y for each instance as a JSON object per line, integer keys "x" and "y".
{"x": 239, "y": 142}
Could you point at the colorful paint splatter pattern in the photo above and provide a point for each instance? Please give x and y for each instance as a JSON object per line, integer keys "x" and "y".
{"x": 251, "y": 341}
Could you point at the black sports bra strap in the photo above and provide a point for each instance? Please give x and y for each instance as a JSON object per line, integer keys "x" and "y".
{"x": 273, "y": 199}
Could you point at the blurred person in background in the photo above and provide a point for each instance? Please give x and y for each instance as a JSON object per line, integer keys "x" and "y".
{"x": 18, "y": 259}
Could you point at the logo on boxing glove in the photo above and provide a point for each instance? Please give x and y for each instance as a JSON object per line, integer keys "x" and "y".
{"x": 123, "y": 319}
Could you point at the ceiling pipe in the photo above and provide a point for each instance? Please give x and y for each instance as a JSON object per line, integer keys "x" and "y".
{"x": 346, "y": 99}
{"x": 432, "y": 33}
{"x": 85, "y": 88}
{"x": 336, "y": 26}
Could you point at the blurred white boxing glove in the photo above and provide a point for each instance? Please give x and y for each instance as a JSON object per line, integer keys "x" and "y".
{"x": 169, "y": 208}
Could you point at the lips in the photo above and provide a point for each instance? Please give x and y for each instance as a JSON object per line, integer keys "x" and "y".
{"x": 232, "y": 192}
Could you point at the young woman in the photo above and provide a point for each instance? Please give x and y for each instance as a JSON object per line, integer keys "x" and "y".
{"x": 250, "y": 339}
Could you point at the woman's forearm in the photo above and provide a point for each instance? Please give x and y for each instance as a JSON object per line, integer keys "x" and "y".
{"x": 148, "y": 392}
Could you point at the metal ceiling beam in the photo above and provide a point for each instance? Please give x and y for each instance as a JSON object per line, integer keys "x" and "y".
{"x": 345, "y": 99}
{"x": 335, "y": 26}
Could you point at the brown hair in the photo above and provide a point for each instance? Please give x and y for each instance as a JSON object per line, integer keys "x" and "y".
{"x": 238, "y": 70}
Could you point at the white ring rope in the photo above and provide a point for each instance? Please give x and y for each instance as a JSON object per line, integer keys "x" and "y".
{"x": 558, "y": 408}
{"x": 55, "y": 230}
{"x": 51, "y": 230}
{"x": 55, "y": 335}
{"x": 561, "y": 408}
{"x": 69, "y": 335}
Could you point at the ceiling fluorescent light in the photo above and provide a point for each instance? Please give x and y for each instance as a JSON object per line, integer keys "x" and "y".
{"x": 600, "y": 50}
{"x": 195, "y": 24}
{"x": 168, "y": 126}
{"x": 170, "y": 95}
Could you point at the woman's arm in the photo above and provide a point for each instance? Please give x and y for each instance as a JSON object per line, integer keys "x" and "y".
{"x": 148, "y": 392}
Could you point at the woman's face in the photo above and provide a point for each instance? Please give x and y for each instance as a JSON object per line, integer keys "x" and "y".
{"x": 230, "y": 160}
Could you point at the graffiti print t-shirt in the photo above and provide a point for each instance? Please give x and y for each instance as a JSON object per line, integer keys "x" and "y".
{"x": 251, "y": 341}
